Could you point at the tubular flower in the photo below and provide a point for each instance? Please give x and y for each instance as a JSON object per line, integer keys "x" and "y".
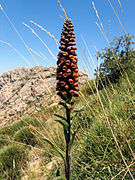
{"x": 67, "y": 69}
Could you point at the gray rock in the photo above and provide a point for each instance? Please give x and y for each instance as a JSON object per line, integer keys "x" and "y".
{"x": 22, "y": 86}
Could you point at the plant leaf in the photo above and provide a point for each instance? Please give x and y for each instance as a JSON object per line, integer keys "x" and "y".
{"x": 74, "y": 116}
{"x": 58, "y": 172}
{"x": 79, "y": 110}
{"x": 73, "y": 138}
{"x": 61, "y": 117}
{"x": 76, "y": 112}
{"x": 59, "y": 178}
{"x": 68, "y": 104}
{"x": 65, "y": 134}
{"x": 55, "y": 148}
{"x": 63, "y": 123}
{"x": 65, "y": 126}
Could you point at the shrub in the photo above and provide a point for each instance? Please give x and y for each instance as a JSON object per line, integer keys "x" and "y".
{"x": 12, "y": 159}
{"x": 26, "y": 135}
{"x": 10, "y": 130}
{"x": 116, "y": 59}
{"x": 7, "y": 130}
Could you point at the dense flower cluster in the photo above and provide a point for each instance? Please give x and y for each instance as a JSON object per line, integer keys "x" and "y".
{"x": 67, "y": 69}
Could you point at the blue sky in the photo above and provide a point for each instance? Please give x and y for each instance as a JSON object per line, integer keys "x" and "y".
{"x": 46, "y": 13}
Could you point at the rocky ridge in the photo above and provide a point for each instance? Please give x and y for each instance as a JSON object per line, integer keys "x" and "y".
{"x": 22, "y": 86}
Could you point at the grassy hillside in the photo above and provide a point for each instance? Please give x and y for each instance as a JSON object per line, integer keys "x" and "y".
{"x": 104, "y": 145}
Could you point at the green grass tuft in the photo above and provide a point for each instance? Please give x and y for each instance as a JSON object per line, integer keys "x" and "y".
{"x": 12, "y": 159}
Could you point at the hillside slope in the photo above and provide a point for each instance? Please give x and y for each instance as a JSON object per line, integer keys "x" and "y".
{"x": 105, "y": 143}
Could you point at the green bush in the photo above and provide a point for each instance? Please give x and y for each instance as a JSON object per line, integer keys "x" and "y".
{"x": 89, "y": 87}
{"x": 26, "y": 135}
{"x": 10, "y": 130}
{"x": 116, "y": 59}
{"x": 12, "y": 159}
{"x": 25, "y": 122}
{"x": 7, "y": 130}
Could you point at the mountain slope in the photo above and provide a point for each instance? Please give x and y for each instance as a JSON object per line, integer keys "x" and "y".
{"x": 96, "y": 154}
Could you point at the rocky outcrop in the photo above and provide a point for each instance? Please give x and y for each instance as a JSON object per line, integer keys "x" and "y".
{"x": 22, "y": 86}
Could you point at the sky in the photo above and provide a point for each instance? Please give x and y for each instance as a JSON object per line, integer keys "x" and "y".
{"x": 16, "y": 38}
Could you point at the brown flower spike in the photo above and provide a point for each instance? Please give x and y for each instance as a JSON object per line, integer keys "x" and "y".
{"x": 67, "y": 69}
